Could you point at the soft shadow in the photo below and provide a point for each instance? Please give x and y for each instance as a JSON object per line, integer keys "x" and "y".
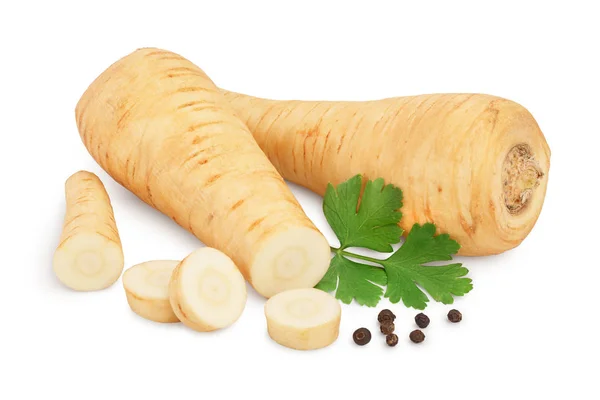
{"x": 52, "y": 230}
{"x": 127, "y": 205}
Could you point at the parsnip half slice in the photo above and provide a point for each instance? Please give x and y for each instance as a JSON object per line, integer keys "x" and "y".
{"x": 147, "y": 289}
{"x": 207, "y": 291}
{"x": 303, "y": 319}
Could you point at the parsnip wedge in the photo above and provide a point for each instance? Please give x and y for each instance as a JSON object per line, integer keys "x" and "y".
{"x": 207, "y": 291}
{"x": 147, "y": 289}
{"x": 303, "y": 319}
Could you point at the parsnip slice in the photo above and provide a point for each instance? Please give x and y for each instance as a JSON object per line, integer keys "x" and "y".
{"x": 303, "y": 319}
{"x": 207, "y": 291}
{"x": 147, "y": 289}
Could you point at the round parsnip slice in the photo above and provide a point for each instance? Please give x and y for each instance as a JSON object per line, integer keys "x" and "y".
{"x": 147, "y": 289}
{"x": 303, "y": 319}
{"x": 89, "y": 256}
{"x": 207, "y": 291}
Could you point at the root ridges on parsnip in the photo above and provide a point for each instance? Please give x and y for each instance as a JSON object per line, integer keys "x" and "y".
{"x": 424, "y": 148}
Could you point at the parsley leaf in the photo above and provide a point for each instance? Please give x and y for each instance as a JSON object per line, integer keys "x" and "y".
{"x": 405, "y": 269}
{"x": 370, "y": 220}
{"x": 372, "y": 224}
{"x": 356, "y": 281}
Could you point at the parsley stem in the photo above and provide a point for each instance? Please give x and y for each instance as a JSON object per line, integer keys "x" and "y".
{"x": 341, "y": 251}
{"x": 361, "y": 257}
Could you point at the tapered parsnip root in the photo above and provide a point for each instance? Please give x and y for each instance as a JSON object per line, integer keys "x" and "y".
{"x": 475, "y": 165}
{"x": 147, "y": 289}
{"x": 89, "y": 256}
{"x": 303, "y": 319}
{"x": 207, "y": 291}
{"x": 159, "y": 126}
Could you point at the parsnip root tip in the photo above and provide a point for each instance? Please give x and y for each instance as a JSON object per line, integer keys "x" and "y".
{"x": 207, "y": 291}
{"x": 296, "y": 258}
{"x": 303, "y": 319}
{"x": 147, "y": 289}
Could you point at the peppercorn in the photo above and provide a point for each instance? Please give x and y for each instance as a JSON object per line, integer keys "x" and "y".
{"x": 391, "y": 340}
{"x": 454, "y": 316}
{"x": 422, "y": 320}
{"x": 417, "y": 336}
{"x": 387, "y": 328}
{"x": 386, "y": 315}
{"x": 361, "y": 336}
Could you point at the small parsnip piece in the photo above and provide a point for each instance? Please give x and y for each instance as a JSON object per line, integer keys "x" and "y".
{"x": 89, "y": 256}
{"x": 147, "y": 289}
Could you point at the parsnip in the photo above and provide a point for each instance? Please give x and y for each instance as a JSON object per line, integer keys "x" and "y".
{"x": 159, "y": 126}
{"x": 207, "y": 291}
{"x": 303, "y": 319}
{"x": 89, "y": 256}
{"x": 475, "y": 165}
{"x": 147, "y": 289}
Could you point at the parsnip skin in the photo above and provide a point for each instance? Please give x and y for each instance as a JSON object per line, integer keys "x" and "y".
{"x": 89, "y": 256}
{"x": 159, "y": 126}
{"x": 147, "y": 289}
{"x": 457, "y": 157}
{"x": 303, "y": 319}
{"x": 206, "y": 291}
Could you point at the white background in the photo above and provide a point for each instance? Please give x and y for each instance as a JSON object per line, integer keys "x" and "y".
{"x": 530, "y": 326}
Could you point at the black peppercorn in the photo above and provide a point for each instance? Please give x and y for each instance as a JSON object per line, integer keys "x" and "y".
{"x": 386, "y": 315}
{"x": 391, "y": 340}
{"x": 361, "y": 336}
{"x": 454, "y": 316}
{"x": 422, "y": 320}
{"x": 417, "y": 336}
{"x": 387, "y": 328}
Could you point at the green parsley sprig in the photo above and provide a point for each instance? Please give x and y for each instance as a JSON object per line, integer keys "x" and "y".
{"x": 371, "y": 221}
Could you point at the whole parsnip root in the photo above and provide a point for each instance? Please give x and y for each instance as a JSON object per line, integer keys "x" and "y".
{"x": 159, "y": 126}
{"x": 303, "y": 319}
{"x": 207, "y": 291}
{"x": 473, "y": 164}
{"x": 89, "y": 256}
{"x": 147, "y": 289}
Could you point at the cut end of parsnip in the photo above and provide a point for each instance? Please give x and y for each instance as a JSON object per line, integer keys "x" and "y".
{"x": 147, "y": 289}
{"x": 88, "y": 261}
{"x": 293, "y": 259}
{"x": 303, "y": 319}
{"x": 207, "y": 291}
{"x": 521, "y": 176}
